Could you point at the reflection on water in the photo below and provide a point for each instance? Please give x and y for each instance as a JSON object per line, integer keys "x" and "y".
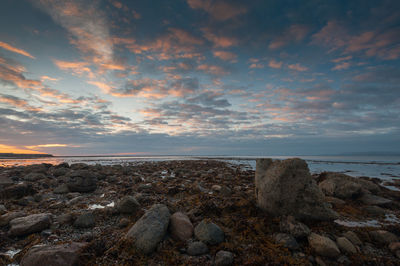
{"x": 384, "y": 167}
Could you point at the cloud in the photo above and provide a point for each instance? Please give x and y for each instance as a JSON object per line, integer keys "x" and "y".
{"x": 219, "y": 40}
{"x": 297, "y": 67}
{"x": 255, "y": 65}
{"x": 44, "y": 78}
{"x": 341, "y": 66}
{"x": 295, "y": 33}
{"x": 78, "y": 68}
{"x": 212, "y": 69}
{"x": 15, "y": 50}
{"x": 14, "y": 149}
{"x": 224, "y": 55}
{"x": 274, "y": 64}
{"x": 219, "y": 10}
{"x": 210, "y": 99}
{"x": 17, "y": 102}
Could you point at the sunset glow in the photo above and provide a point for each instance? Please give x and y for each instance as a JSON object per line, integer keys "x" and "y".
{"x": 199, "y": 77}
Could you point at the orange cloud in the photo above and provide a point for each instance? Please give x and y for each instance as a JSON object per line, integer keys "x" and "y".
{"x": 45, "y": 146}
{"x": 77, "y": 68}
{"x": 225, "y": 55}
{"x": 213, "y": 70}
{"x": 17, "y": 102}
{"x": 344, "y": 65}
{"x": 219, "y": 40}
{"x": 43, "y": 78}
{"x": 274, "y": 64}
{"x": 219, "y": 10}
{"x": 294, "y": 33}
{"x": 254, "y": 65}
{"x": 14, "y": 149}
{"x": 297, "y": 67}
{"x": 15, "y": 50}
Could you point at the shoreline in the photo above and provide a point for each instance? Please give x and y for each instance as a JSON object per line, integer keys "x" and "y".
{"x": 203, "y": 190}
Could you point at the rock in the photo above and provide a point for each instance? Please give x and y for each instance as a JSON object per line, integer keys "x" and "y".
{"x": 65, "y": 218}
{"x": 383, "y": 237}
{"x": 353, "y": 238}
{"x": 30, "y": 224}
{"x": 17, "y": 191}
{"x": 150, "y": 229}
{"x": 335, "y": 201}
{"x": 3, "y": 209}
{"x": 323, "y": 246}
{"x": 180, "y": 226}
{"x": 287, "y": 188}
{"x": 60, "y": 171}
{"x": 7, "y": 217}
{"x": 53, "y": 255}
{"x": 5, "y": 181}
{"x": 225, "y": 191}
{"x": 197, "y": 248}
{"x": 128, "y": 205}
{"x": 85, "y": 220}
{"x": 340, "y": 186}
{"x": 209, "y": 233}
{"x": 343, "y": 260}
{"x": 34, "y": 177}
{"x": 374, "y": 210}
{"x": 223, "y": 258}
{"x": 394, "y": 246}
{"x": 369, "y": 199}
{"x": 287, "y": 241}
{"x": 61, "y": 189}
{"x": 216, "y": 188}
{"x": 124, "y": 222}
{"x": 82, "y": 181}
{"x": 345, "y": 245}
{"x": 296, "y": 229}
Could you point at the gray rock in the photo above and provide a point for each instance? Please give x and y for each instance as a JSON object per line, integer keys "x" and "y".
{"x": 345, "y": 245}
{"x": 209, "y": 233}
{"x": 61, "y": 189}
{"x": 369, "y": 199}
{"x": 197, "y": 248}
{"x": 3, "y": 209}
{"x": 7, "y": 217}
{"x": 30, "y": 224}
{"x": 85, "y": 220}
{"x": 34, "y": 177}
{"x": 296, "y": 229}
{"x": 65, "y": 218}
{"x": 82, "y": 181}
{"x": 287, "y": 241}
{"x": 60, "y": 171}
{"x": 53, "y": 255}
{"x": 150, "y": 229}
{"x": 374, "y": 210}
{"x": 335, "y": 201}
{"x": 323, "y": 246}
{"x": 180, "y": 226}
{"x": 225, "y": 191}
{"x": 353, "y": 238}
{"x": 223, "y": 258}
{"x": 340, "y": 186}
{"x": 128, "y": 205}
{"x": 17, "y": 191}
{"x": 287, "y": 188}
{"x": 383, "y": 237}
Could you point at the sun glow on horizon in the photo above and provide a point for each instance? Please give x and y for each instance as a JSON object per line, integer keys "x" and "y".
{"x": 14, "y": 149}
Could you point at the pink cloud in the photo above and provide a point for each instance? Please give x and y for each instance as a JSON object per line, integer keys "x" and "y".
{"x": 295, "y": 33}
{"x": 219, "y": 40}
{"x": 219, "y": 10}
{"x": 297, "y": 67}
{"x": 15, "y": 50}
{"x": 341, "y": 66}
{"x": 77, "y": 68}
{"x": 274, "y": 64}
{"x": 254, "y": 65}
{"x": 227, "y": 56}
{"x": 212, "y": 69}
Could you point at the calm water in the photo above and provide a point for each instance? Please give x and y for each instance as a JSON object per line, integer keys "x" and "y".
{"x": 384, "y": 167}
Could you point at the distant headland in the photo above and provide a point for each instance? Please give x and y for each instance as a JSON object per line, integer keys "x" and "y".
{"x": 23, "y": 156}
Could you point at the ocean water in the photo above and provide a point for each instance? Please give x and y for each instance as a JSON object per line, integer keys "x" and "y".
{"x": 383, "y": 167}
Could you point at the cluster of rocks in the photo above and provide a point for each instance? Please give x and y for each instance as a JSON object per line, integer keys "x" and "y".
{"x": 192, "y": 212}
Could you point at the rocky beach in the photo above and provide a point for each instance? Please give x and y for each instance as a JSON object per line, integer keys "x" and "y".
{"x": 195, "y": 212}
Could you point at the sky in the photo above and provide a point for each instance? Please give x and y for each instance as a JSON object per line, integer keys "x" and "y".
{"x": 199, "y": 77}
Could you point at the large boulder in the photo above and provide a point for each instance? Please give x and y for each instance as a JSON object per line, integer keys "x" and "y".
{"x": 383, "y": 237}
{"x": 150, "y": 229}
{"x": 296, "y": 229}
{"x": 209, "y": 233}
{"x": 82, "y": 181}
{"x": 323, "y": 246}
{"x": 287, "y": 188}
{"x": 17, "y": 191}
{"x": 181, "y": 227}
{"x": 54, "y": 255}
{"x": 30, "y": 224}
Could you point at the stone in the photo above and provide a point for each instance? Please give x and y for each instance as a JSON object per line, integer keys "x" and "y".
{"x": 296, "y": 229}
{"x": 223, "y": 258}
{"x": 323, "y": 246}
{"x": 209, "y": 233}
{"x": 150, "y": 229}
{"x": 287, "y": 188}
{"x": 17, "y": 191}
{"x": 180, "y": 226}
{"x": 394, "y": 246}
{"x": 30, "y": 224}
{"x": 124, "y": 222}
{"x": 345, "y": 245}
{"x": 340, "y": 186}
{"x": 128, "y": 205}
{"x": 3, "y": 209}
{"x": 353, "y": 238}
{"x": 374, "y": 210}
{"x": 216, "y": 188}
{"x": 34, "y": 177}
{"x": 383, "y": 237}
{"x": 85, "y": 220}
{"x": 335, "y": 201}
{"x": 225, "y": 191}
{"x": 60, "y": 171}
{"x": 61, "y": 189}
{"x": 369, "y": 199}
{"x": 197, "y": 248}
{"x": 54, "y": 255}
{"x": 65, "y": 218}
{"x": 7, "y": 217}
{"x": 82, "y": 181}
{"x": 287, "y": 241}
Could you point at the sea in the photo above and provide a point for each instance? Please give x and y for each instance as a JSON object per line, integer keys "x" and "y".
{"x": 386, "y": 168}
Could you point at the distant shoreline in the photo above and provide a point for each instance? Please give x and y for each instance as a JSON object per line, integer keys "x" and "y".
{"x": 23, "y": 156}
